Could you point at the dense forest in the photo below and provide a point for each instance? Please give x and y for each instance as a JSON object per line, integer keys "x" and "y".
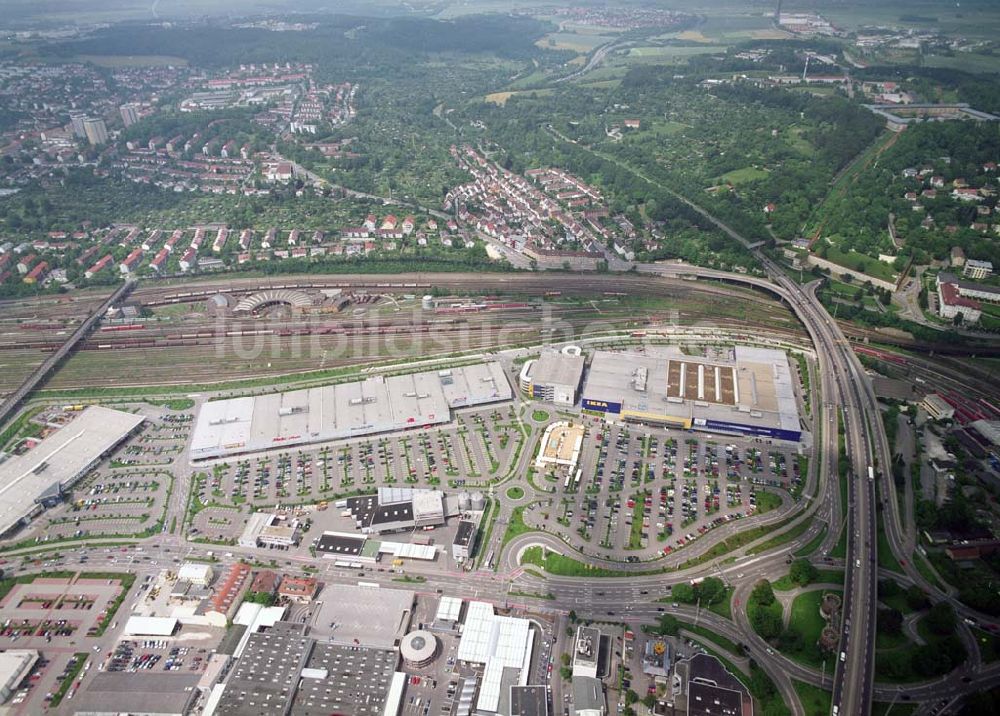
{"x": 362, "y": 46}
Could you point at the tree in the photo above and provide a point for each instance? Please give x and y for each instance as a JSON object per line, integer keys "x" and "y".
{"x": 572, "y": 616}
{"x": 762, "y": 593}
{"x": 668, "y": 625}
{"x": 916, "y": 599}
{"x": 631, "y": 697}
{"x": 566, "y": 673}
{"x": 802, "y": 572}
{"x": 649, "y": 701}
{"x": 710, "y": 590}
{"x": 941, "y": 618}
{"x": 766, "y": 622}
{"x": 683, "y": 592}
{"x": 890, "y": 621}
{"x": 565, "y": 658}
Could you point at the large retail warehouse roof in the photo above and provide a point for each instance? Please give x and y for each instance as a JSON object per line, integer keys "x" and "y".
{"x": 750, "y": 390}
{"x": 58, "y": 460}
{"x": 374, "y": 405}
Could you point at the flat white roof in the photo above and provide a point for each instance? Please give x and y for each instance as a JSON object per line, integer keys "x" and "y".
{"x": 395, "y": 695}
{"x": 59, "y": 459}
{"x": 499, "y": 642}
{"x": 14, "y": 666}
{"x": 449, "y": 609}
{"x": 150, "y": 626}
{"x": 373, "y": 405}
{"x": 194, "y": 572}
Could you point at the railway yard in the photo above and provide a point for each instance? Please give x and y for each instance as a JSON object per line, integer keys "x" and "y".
{"x": 649, "y": 489}
{"x": 180, "y": 339}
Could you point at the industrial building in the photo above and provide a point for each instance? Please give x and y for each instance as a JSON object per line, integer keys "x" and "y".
{"x": 269, "y": 530}
{"x": 361, "y": 615}
{"x": 588, "y": 697}
{"x": 38, "y": 478}
{"x": 351, "y": 549}
{"x": 586, "y": 652}
{"x": 196, "y": 573}
{"x": 529, "y": 701}
{"x": 711, "y": 690}
{"x": 463, "y": 546}
{"x": 750, "y": 392}
{"x": 937, "y": 407}
{"x": 150, "y": 626}
{"x": 502, "y": 645}
{"x": 375, "y": 405}
{"x": 285, "y": 669}
{"x": 15, "y": 665}
{"x": 553, "y": 377}
{"x": 394, "y": 509}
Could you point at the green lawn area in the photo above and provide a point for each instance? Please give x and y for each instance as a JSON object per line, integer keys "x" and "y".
{"x": 806, "y": 624}
{"x": 989, "y": 645}
{"x": 767, "y": 501}
{"x": 886, "y": 559}
{"x": 742, "y": 176}
{"x": 815, "y": 701}
{"x": 924, "y": 567}
{"x": 812, "y": 545}
{"x": 860, "y": 262}
{"x": 564, "y": 566}
{"x": 516, "y": 526}
{"x": 174, "y": 403}
{"x": 539, "y": 416}
{"x": 778, "y": 540}
{"x": 515, "y": 492}
{"x": 839, "y": 550}
{"x": 707, "y": 633}
{"x": 724, "y": 607}
{"x": 826, "y": 576}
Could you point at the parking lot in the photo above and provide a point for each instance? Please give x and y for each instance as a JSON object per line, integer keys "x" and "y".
{"x": 133, "y": 655}
{"x": 127, "y": 493}
{"x": 643, "y": 492}
{"x": 481, "y": 445}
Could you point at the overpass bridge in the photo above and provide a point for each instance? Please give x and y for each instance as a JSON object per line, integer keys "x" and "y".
{"x": 13, "y": 400}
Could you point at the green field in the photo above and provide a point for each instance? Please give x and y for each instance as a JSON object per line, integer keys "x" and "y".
{"x": 804, "y": 627}
{"x": 133, "y": 60}
{"x": 860, "y": 262}
{"x": 742, "y": 176}
{"x": 578, "y": 42}
{"x": 673, "y": 51}
{"x": 815, "y": 701}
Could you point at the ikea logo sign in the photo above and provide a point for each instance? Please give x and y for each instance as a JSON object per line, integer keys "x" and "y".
{"x": 602, "y": 405}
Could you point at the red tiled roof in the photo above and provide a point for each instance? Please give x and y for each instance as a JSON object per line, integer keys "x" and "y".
{"x": 951, "y": 297}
